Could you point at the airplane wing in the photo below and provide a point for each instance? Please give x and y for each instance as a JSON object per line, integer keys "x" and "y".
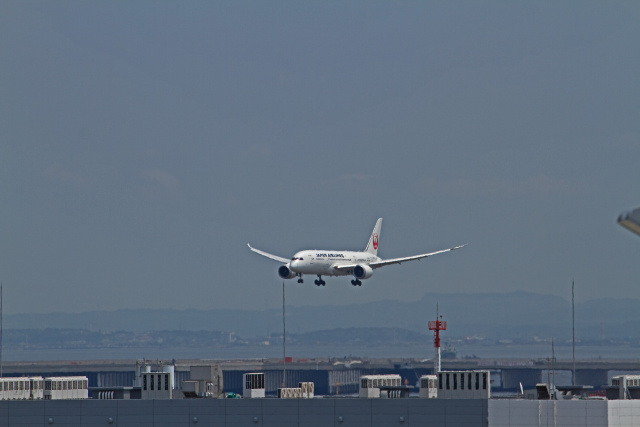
{"x": 268, "y": 255}
{"x": 410, "y": 258}
{"x": 398, "y": 260}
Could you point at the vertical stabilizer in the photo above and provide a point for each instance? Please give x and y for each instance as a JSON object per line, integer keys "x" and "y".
{"x": 372, "y": 246}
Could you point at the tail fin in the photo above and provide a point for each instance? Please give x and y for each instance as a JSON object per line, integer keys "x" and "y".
{"x": 372, "y": 246}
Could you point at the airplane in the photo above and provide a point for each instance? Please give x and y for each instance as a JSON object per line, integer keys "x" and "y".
{"x": 360, "y": 265}
{"x": 630, "y": 220}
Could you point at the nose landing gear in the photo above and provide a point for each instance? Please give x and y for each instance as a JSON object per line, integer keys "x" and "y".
{"x": 300, "y": 278}
{"x": 319, "y": 281}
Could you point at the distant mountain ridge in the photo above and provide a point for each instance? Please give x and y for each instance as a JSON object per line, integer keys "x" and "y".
{"x": 491, "y": 315}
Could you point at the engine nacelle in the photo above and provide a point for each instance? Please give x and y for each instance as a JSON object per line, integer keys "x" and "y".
{"x": 362, "y": 271}
{"x": 285, "y": 272}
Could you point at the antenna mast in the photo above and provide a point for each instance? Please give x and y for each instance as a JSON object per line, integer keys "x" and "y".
{"x": 0, "y": 329}
{"x": 284, "y": 343}
{"x": 573, "y": 316}
{"x": 437, "y": 326}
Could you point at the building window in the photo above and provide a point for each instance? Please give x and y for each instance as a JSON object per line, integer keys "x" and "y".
{"x": 447, "y": 381}
{"x": 166, "y": 381}
{"x": 455, "y": 381}
{"x": 484, "y": 380}
{"x": 144, "y": 382}
{"x": 440, "y": 381}
{"x": 461, "y": 381}
{"x": 151, "y": 385}
{"x": 477, "y": 381}
{"x": 469, "y": 381}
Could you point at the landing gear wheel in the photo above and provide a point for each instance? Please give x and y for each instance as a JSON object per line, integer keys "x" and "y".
{"x": 320, "y": 282}
{"x": 356, "y": 282}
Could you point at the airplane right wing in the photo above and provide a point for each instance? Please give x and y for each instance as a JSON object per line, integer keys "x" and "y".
{"x": 268, "y": 255}
{"x": 410, "y": 258}
{"x": 384, "y": 262}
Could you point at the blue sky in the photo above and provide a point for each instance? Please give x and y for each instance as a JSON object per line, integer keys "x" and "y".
{"x": 143, "y": 144}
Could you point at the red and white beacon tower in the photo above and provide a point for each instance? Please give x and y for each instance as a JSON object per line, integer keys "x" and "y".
{"x": 437, "y": 326}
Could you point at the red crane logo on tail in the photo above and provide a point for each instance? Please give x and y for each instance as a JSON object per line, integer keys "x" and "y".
{"x": 375, "y": 241}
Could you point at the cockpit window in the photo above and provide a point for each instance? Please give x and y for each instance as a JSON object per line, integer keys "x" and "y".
{"x": 296, "y": 259}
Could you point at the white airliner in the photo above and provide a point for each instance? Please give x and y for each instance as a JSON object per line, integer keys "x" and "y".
{"x": 340, "y": 263}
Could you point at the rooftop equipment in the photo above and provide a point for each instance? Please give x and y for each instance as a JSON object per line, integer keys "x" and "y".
{"x": 464, "y": 385}
{"x": 253, "y": 385}
{"x": 305, "y": 390}
{"x": 624, "y": 387}
{"x": 428, "y": 386}
{"x": 158, "y": 385}
{"x": 370, "y": 385}
{"x": 204, "y": 381}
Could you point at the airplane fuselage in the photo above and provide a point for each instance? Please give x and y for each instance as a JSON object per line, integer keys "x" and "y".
{"x": 325, "y": 262}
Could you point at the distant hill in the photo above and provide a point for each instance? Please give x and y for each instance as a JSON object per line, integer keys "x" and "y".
{"x": 515, "y": 315}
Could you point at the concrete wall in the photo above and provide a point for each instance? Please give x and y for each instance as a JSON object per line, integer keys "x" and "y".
{"x": 240, "y": 412}
{"x": 624, "y": 413}
{"x": 321, "y": 412}
{"x": 535, "y": 413}
{"x": 566, "y": 413}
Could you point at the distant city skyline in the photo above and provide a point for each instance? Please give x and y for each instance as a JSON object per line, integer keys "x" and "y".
{"x": 144, "y": 144}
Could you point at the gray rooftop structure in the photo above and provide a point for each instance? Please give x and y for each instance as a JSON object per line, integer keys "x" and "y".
{"x": 322, "y": 412}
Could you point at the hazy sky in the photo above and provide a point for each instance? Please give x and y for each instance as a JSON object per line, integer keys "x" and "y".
{"x": 144, "y": 144}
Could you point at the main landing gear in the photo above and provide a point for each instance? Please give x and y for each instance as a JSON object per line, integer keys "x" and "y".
{"x": 300, "y": 278}
{"x": 356, "y": 282}
{"x": 319, "y": 281}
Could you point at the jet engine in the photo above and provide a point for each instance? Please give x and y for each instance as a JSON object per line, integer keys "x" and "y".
{"x": 362, "y": 271}
{"x": 285, "y": 272}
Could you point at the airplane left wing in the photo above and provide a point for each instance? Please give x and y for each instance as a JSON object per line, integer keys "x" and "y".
{"x": 397, "y": 260}
{"x": 268, "y": 255}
